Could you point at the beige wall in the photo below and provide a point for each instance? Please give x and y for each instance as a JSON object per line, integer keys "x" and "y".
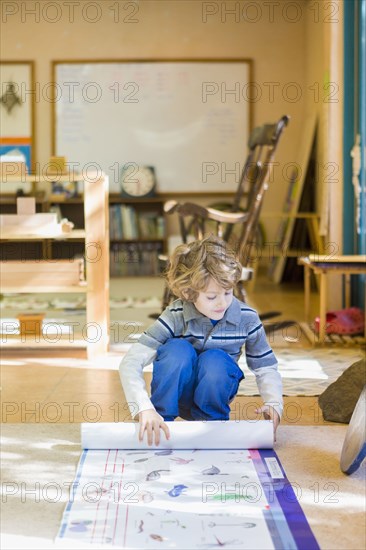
{"x": 286, "y": 46}
{"x": 324, "y": 64}
{"x": 169, "y": 29}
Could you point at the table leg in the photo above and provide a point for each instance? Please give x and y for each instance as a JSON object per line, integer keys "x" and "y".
{"x": 347, "y": 290}
{"x": 307, "y": 292}
{"x": 323, "y": 305}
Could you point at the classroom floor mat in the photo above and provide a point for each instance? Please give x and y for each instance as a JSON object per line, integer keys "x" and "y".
{"x": 305, "y": 372}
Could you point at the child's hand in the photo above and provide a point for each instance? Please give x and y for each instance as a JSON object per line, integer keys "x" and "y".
{"x": 151, "y": 422}
{"x": 270, "y": 413}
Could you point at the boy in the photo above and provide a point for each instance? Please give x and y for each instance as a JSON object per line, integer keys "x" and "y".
{"x": 195, "y": 345}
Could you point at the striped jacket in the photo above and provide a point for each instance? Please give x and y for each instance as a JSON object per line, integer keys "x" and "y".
{"x": 239, "y": 328}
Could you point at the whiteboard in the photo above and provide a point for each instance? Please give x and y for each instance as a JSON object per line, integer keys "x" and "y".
{"x": 189, "y": 120}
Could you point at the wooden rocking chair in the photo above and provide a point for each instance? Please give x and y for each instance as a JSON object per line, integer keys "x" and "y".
{"x": 196, "y": 221}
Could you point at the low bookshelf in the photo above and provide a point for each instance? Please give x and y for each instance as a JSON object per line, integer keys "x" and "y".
{"x": 137, "y": 235}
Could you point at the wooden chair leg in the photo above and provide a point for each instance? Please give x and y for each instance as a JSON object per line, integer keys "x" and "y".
{"x": 168, "y": 296}
{"x": 240, "y": 292}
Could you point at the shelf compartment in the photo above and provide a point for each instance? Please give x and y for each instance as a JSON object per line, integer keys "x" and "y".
{"x": 29, "y": 289}
{"x": 76, "y": 234}
{"x": 43, "y": 276}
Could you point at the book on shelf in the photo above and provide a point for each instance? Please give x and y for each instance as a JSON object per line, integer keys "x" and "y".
{"x": 127, "y": 223}
{"x": 151, "y": 225}
{"x": 132, "y": 259}
{"x": 160, "y": 227}
{"x": 112, "y": 222}
{"x": 118, "y": 223}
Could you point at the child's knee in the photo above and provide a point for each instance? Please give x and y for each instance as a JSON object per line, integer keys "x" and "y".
{"x": 176, "y": 355}
{"x": 213, "y": 373}
{"x": 215, "y": 354}
{"x": 213, "y": 359}
{"x": 177, "y": 348}
{"x": 216, "y": 364}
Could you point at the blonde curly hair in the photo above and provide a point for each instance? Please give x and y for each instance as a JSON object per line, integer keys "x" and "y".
{"x": 192, "y": 265}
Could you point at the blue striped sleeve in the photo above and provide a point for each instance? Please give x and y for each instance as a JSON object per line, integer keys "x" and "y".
{"x": 162, "y": 330}
{"x": 166, "y": 326}
{"x": 258, "y": 352}
{"x": 255, "y": 329}
{"x": 259, "y": 356}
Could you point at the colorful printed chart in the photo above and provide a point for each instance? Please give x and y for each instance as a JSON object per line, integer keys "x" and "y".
{"x": 196, "y": 499}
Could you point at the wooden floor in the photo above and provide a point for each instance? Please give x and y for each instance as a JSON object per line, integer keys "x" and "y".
{"x": 57, "y": 387}
{"x": 41, "y": 386}
{"x": 42, "y": 392}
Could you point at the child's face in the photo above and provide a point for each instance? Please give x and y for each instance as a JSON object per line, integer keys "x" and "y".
{"x": 214, "y": 301}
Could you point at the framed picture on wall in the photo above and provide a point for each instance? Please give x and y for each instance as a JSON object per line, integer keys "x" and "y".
{"x": 17, "y": 105}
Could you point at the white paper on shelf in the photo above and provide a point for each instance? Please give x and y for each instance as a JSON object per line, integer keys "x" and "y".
{"x": 230, "y": 434}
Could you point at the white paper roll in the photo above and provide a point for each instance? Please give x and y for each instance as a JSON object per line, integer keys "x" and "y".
{"x": 230, "y": 434}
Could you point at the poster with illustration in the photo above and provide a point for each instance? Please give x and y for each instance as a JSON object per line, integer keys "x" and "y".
{"x": 183, "y": 498}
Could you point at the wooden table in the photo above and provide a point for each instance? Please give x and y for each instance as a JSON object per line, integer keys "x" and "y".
{"x": 322, "y": 266}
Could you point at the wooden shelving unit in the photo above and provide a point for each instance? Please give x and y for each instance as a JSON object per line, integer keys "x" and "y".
{"x": 129, "y": 255}
{"x": 94, "y": 241}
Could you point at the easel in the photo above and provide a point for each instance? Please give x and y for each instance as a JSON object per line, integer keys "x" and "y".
{"x": 296, "y": 207}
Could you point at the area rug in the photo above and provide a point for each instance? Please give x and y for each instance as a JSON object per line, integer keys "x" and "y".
{"x": 305, "y": 372}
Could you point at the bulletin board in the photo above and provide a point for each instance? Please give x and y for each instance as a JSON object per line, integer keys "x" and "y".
{"x": 189, "y": 119}
{"x": 17, "y": 104}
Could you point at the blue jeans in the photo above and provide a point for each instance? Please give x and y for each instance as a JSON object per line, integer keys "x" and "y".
{"x": 195, "y": 386}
